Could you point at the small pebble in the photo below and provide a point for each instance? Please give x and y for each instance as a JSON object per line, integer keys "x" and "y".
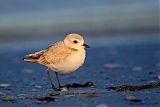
{"x": 4, "y": 85}
{"x": 41, "y": 102}
{"x": 37, "y": 86}
{"x": 137, "y": 68}
{"x": 111, "y": 66}
{"x": 152, "y": 81}
{"x": 70, "y": 95}
{"x": 21, "y": 96}
{"x": 34, "y": 90}
{"x": 28, "y": 71}
{"x": 8, "y": 98}
{"x": 132, "y": 98}
{"x": 101, "y": 105}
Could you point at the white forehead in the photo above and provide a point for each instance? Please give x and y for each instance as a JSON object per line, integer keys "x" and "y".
{"x": 74, "y": 36}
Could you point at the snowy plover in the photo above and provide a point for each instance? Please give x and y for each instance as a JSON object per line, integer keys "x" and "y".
{"x": 63, "y": 56}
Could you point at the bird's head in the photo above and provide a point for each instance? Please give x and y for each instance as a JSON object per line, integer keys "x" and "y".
{"x": 75, "y": 41}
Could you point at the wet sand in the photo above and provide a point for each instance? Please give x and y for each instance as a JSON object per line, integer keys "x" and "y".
{"x": 107, "y": 65}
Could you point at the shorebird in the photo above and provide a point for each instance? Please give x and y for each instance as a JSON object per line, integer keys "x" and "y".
{"x": 61, "y": 57}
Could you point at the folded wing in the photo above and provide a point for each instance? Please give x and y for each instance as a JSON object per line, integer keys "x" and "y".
{"x": 33, "y": 57}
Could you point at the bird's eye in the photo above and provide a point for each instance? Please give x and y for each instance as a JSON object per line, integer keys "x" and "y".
{"x": 75, "y": 41}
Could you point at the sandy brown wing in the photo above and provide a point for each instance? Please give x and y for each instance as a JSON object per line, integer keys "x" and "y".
{"x": 33, "y": 57}
{"x": 55, "y": 53}
{"x": 36, "y": 54}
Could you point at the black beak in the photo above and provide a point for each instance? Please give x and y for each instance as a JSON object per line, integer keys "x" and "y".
{"x": 86, "y": 46}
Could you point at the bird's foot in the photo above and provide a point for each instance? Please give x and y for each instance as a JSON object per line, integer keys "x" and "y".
{"x": 63, "y": 89}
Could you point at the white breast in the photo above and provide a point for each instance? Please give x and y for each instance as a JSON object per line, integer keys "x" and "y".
{"x": 72, "y": 62}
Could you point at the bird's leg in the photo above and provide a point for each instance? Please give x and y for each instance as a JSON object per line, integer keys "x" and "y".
{"x": 49, "y": 78}
{"x": 59, "y": 84}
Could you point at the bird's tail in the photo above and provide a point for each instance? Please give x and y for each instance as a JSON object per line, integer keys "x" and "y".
{"x": 30, "y": 59}
{"x": 33, "y": 57}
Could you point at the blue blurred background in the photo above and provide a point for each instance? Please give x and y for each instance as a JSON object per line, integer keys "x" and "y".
{"x": 26, "y": 20}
